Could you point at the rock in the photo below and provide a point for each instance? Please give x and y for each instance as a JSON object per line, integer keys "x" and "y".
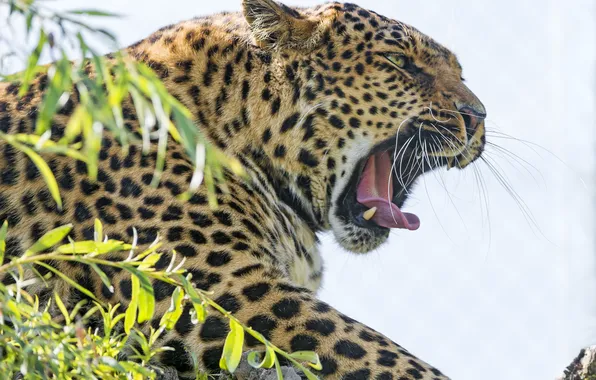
{"x": 583, "y": 366}
{"x": 246, "y": 372}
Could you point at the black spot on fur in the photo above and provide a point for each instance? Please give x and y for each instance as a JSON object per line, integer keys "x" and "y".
{"x": 324, "y": 327}
{"x": 82, "y": 212}
{"x": 256, "y": 292}
{"x": 321, "y": 307}
{"x": 247, "y": 270}
{"x": 275, "y": 105}
{"x": 184, "y": 324}
{"x": 199, "y": 219}
{"x": 384, "y": 376}
{"x": 218, "y": 258}
{"x": 291, "y": 288}
{"x": 186, "y": 250}
{"x": 129, "y": 187}
{"x": 290, "y": 123}
{"x": 125, "y": 211}
{"x": 229, "y": 302}
{"x": 349, "y": 349}
{"x": 329, "y": 366}
{"x": 223, "y": 217}
{"x": 287, "y": 308}
{"x": 178, "y": 358}
{"x": 303, "y": 342}
{"x": 252, "y": 228}
{"x": 27, "y": 200}
{"x": 197, "y": 237}
{"x": 264, "y": 325}
{"x": 214, "y": 328}
{"x": 126, "y": 288}
{"x": 162, "y": 290}
{"x": 361, "y": 374}
{"x": 280, "y": 151}
{"x": 307, "y": 158}
{"x": 211, "y": 358}
{"x": 221, "y": 238}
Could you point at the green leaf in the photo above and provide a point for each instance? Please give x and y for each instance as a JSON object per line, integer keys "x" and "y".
{"x": 146, "y": 299}
{"x": 150, "y": 261}
{"x": 32, "y": 63}
{"x": 147, "y": 252}
{"x": 69, "y": 280}
{"x": 268, "y": 361}
{"x": 49, "y": 239}
{"x": 3, "y": 232}
{"x": 311, "y": 358}
{"x": 232, "y": 352}
{"x": 197, "y": 301}
{"x": 93, "y": 12}
{"x": 112, "y": 363}
{"x": 98, "y": 231}
{"x": 131, "y": 312}
{"x": 59, "y": 83}
{"x": 62, "y": 308}
{"x": 310, "y": 375}
{"x": 78, "y": 306}
{"x": 170, "y": 318}
{"x": 280, "y": 375}
{"x": 200, "y": 312}
{"x": 43, "y": 168}
{"x": 102, "y": 275}
{"x": 29, "y": 22}
{"x": 75, "y": 124}
{"x": 90, "y": 246}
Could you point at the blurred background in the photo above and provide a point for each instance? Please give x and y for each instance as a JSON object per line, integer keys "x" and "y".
{"x": 500, "y": 280}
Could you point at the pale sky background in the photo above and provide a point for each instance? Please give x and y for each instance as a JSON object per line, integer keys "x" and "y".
{"x": 479, "y": 291}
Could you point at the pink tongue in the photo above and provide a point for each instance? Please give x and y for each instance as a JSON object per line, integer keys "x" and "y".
{"x": 376, "y": 190}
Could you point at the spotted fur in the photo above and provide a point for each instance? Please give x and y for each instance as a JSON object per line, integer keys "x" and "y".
{"x": 301, "y": 97}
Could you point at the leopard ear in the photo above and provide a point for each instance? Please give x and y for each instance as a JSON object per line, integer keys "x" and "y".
{"x": 276, "y": 26}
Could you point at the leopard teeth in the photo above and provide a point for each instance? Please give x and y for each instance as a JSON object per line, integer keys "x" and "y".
{"x": 368, "y": 214}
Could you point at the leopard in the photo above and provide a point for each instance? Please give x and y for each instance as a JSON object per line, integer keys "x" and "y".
{"x": 333, "y": 111}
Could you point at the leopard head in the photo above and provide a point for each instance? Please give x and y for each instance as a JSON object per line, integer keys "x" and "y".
{"x": 376, "y": 104}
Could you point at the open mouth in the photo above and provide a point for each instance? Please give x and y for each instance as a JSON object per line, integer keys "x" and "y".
{"x": 380, "y": 185}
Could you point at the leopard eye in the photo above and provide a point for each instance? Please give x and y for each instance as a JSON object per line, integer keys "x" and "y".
{"x": 398, "y": 60}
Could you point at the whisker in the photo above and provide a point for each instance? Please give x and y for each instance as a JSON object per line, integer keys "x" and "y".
{"x": 531, "y": 145}
{"x": 425, "y": 153}
{"x": 447, "y": 192}
{"x": 511, "y": 158}
{"x": 458, "y": 112}
{"x": 483, "y": 193}
{"x": 308, "y": 111}
{"x": 433, "y": 116}
{"x": 396, "y": 145}
{"x": 525, "y": 210}
{"x": 450, "y": 143}
{"x": 403, "y": 151}
{"x": 415, "y": 160}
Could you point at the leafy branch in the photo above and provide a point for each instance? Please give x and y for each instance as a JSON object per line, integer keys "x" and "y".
{"x": 23, "y": 312}
{"x": 99, "y": 89}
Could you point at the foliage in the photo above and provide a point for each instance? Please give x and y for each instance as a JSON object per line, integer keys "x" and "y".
{"x": 33, "y": 343}
{"x": 101, "y": 85}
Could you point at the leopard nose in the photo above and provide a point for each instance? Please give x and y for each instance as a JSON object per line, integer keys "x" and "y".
{"x": 473, "y": 117}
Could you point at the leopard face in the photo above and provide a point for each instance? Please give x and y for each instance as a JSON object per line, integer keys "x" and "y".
{"x": 384, "y": 103}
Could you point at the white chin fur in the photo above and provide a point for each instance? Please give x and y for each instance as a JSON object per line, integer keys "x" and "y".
{"x": 354, "y": 238}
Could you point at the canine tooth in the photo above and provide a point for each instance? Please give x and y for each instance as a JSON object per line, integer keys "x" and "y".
{"x": 450, "y": 163}
{"x": 368, "y": 214}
